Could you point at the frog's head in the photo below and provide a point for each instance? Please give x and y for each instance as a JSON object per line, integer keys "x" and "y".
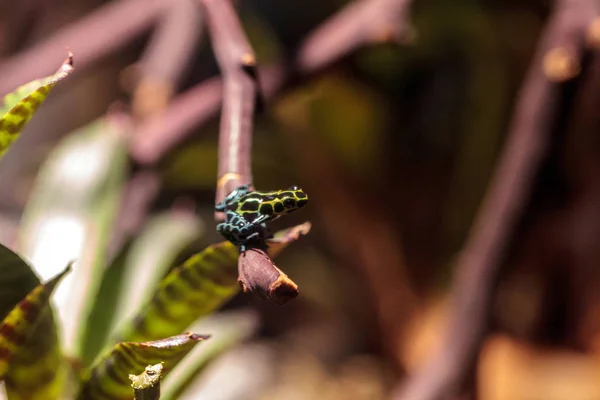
{"x": 290, "y": 200}
{"x": 233, "y": 197}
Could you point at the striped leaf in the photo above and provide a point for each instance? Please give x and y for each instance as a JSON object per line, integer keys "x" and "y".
{"x": 39, "y": 372}
{"x": 17, "y": 279}
{"x": 142, "y": 265}
{"x": 197, "y": 288}
{"x": 20, "y": 323}
{"x": 109, "y": 378}
{"x": 227, "y": 330}
{"x": 19, "y": 106}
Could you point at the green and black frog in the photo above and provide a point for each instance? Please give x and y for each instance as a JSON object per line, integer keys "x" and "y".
{"x": 246, "y": 212}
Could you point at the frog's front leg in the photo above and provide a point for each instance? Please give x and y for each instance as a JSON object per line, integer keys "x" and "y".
{"x": 259, "y": 232}
{"x": 235, "y": 228}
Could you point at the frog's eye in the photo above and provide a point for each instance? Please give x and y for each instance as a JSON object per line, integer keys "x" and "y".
{"x": 242, "y": 189}
{"x": 294, "y": 188}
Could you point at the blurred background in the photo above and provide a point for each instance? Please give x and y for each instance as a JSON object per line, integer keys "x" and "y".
{"x": 395, "y": 144}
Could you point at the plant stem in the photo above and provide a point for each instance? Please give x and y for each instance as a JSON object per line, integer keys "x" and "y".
{"x": 146, "y": 386}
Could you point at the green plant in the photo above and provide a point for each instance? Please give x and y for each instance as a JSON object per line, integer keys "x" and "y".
{"x": 115, "y": 320}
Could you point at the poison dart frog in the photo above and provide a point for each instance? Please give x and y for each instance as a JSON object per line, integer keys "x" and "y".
{"x": 246, "y": 212}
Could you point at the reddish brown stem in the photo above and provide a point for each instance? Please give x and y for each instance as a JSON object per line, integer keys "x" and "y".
{"x": 480, "y": 260}
{"x": 358, "y": 24}
{"x": 156, "y": 135}
{"x": 324, "y": 47}
{"x": 238, "y": 66}
{"x": 343, "y": 33}
{"x": 259, "y": 275}
{"x": 91, "y": 38}
{"x": 166, "y": 57}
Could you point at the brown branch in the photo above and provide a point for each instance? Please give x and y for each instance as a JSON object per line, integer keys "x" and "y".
{"x": 481, "y": 258}
{"x": 166, "y": 57}
{"x": 238, "y": 66}
{"x": 324, "y": 47}
{"x": 158, "y": 134}
{"x": 257, "y": 272}
{"x": 358, "y": 24}
{"x": 91, "y": 38}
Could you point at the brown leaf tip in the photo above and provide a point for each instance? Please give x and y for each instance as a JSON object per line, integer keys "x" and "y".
{"x": 283, "y": 290}
{"x": 69, "y": 60}
{"x": 66, "y": 271}
{"x": 70, "y": 264}
{"x": 65, "y": 69}
{"x": 197, "y": 337}
{"x": 243, "y": 286}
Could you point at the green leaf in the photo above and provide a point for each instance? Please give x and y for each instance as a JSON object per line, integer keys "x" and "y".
{"x": 146, "y": 261}
{"x": 109, "y": 378}
{"x": 227, "y": 330}
{"x": 39, "y": 372}
{"x": 195, "y": 289}
{"x": 20, "y": 323}
{"x": 19, "y": 106}
{"x": 17, "y": 279}
{"x": 71, "y": 215}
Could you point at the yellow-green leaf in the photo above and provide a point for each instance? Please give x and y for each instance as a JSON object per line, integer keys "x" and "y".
{"x": 227, "y": 330}
{"x": 19, "y": 106}
{"x": 20, "y": 323}
{"x": 143, "y": 265}
{"x": 109, "y": 378}
{"x": 39, "y": 372}
{"x": 195, "y": 289}
{"x": 16, "y": 280}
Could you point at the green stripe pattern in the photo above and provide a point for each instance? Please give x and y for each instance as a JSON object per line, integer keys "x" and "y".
{"x": 17, "y": 279}
{"x": 197, "y": 288}
{"x": 19, "y": 106}
{"x": 39, "y": 372}
{"x": 20, "y": 323}
{"x": 109, "y": 378}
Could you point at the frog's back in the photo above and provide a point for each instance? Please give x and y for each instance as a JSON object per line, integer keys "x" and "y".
{"x": 272, "y": 204}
